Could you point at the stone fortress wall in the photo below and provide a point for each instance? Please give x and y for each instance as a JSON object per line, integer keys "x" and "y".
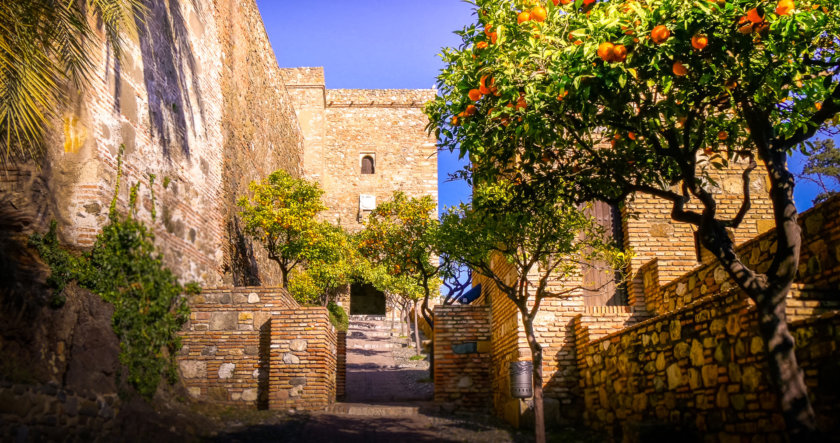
{"x": 343, "y": 125}
{"x": 190, "y": 102}
{"x": 683, "y": 352}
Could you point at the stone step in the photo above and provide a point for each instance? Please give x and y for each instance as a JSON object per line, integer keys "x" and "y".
{"x": 361, "y": 335}
{"x": 375, "y": 410}
{"x": 372, "y": 346}
{"x": 354, "y": 318}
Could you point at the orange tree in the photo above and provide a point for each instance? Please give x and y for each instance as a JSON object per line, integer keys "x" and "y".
{"x": 281, "y": 215}
{"x": 401, "y": 235}
{"x": 543, "y": 237}
{"x": 618, "y": 97}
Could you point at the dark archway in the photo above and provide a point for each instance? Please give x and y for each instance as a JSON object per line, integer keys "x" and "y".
{"x": 366, "y": 300}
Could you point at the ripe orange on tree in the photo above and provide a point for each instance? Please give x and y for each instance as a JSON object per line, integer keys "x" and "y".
{"x": 723, "y": 135}
{"x": 539, "y": 14}
{"x": 699, "y": 42}
{"x": 605, "y": 51}
{"x": 755, "y": 16}
{"x": 679, "y": 69}
{"x": 481, "y": 45}
{"x": 471, "y": 110}
{"x": 523, "y": 17}
{"x": 785, "y": 7}
{"x": 660, "y": 34}
{"x": 619, "y": 53}
{"x": 474, "y": 94}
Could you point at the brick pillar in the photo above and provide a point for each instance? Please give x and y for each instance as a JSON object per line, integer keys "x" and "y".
{"x": 341, "y": 366}
{"x": 302, "y": 360}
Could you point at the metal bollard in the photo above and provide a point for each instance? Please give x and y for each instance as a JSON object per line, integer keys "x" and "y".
{"x": 521, "y": 385}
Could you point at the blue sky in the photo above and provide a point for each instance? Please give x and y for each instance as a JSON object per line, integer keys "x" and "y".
{"x": 375, "y": 44}
{"x": 380, "y": 44}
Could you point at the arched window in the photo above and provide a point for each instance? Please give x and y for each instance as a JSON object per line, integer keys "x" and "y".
{"x": 368, "y": 166}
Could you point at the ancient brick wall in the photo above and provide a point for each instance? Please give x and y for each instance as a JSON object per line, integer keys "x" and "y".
{"x": 462, "y": 357}
{"x": 816, "y": 281}
{"x": 700, "y": 364}
{"x": 302, "y": 359}
{"x": 341, "y": 365}
{"x": 225, "y": 357}
{"x": 651, "y": 233}
{"x": 190, "y": 102}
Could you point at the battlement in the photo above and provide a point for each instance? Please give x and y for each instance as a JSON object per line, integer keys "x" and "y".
{"x": 303, "y": 76}
{"x": 379, "y": 98}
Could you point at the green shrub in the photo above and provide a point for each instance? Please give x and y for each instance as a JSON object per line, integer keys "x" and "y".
{"x": 125, "y": 269}
{"x": 338, "y": 317}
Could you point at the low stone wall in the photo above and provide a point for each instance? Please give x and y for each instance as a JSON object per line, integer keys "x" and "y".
{"x": 49, "y": 413}
{"x": 302, "y": 359}
{"x": 230, "y": 344}
{"x": 815, "y": 284}
{"x": 700, "y": 370}
{"x": 462, "y": 357}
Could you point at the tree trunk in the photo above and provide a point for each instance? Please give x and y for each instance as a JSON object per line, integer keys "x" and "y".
{"x": 285, "y": 274}
{"x": 536, "y": 359}
{"x": 416, "y": 330}
{"x": 785, "y": 372}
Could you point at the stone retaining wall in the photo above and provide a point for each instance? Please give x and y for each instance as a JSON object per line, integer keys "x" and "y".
{"x": 699, "y": 371}
{"x": 462, "y": 357}
{"x": 50, "y": 413}
{"x": 230, "y": 340}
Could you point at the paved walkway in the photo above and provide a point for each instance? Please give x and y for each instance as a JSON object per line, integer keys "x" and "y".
{"x": 388, "y": 399}
{"x": 378, "y": 370}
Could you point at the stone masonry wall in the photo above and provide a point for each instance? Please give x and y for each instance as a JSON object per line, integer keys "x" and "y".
{"x": 52, "y": 413}
{"x": 303, "y": 358}
{"x": 225, "y": 356}
{"x": 189, "y": 102}
{"x": 700, "y": 364}
{"x": 462, "y": 357}
{"x": 390, "y": 126}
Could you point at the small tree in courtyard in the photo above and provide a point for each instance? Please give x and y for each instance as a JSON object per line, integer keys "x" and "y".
{"x": 611, "y": 98}
{"x": 281, "y": 215}
{"x": 544, "y": 240}
{"x": 331, "y": 262}
{"x": 401, "y": 234}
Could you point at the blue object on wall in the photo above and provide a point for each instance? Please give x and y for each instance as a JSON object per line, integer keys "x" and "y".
{"x": 470, "y": 295}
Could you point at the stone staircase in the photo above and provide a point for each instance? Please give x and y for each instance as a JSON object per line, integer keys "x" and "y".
{"x": 370, "y": 332}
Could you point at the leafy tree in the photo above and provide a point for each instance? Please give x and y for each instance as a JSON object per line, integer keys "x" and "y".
{"x": 332, "y": 260}
{"x": 44, "y": 46}
{"x": 612, "y": 98}
{"x": 823, "y": 168}
{"x": 543, "y": 238}
{"x": 281, "y": 215}
{"x": 400, "y": 234}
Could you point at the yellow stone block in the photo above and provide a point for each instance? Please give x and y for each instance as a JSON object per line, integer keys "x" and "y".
{"x": 246, "y": 316}
{"x": 75, "y": 134}
{"x": 483, "y": 347}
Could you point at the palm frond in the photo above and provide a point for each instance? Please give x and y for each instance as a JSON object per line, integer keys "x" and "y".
{"x": 44, "y": 45}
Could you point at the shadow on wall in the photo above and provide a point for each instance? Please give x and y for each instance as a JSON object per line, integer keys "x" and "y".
{"x": 169, "y": 74}
{"x": 244, "y": 268}
{"x": 264, "y": 365}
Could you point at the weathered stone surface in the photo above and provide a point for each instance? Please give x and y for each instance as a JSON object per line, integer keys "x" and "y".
{"x": 226, "y": 370}
{"x": 297, "y": 381}
{"x": 253, "y": 298}
{"x": 465, "y": 382}
{"x": 291, "y": 359}
{"x": 298, "y": 345}
{"x": 696, "y": 353}
{"x": 249, "y": 394}
{"x": 675, "y": 376}
{"x": 223, "y": 321}
{"x": 193, "y": 369}
{"x": 675, "y": 329}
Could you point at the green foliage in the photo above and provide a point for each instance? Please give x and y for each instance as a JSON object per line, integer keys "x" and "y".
{"x": 124, "y": 268}
{"x": 544, "y": 237}
{"x": 45, "y": 45}
{"x": 617, "y": 127}
{"x": 823, "y": 168}
{"x": 338, "y": 317}
{"x": 281, "y": 215}
{"x": 416, "y": 357}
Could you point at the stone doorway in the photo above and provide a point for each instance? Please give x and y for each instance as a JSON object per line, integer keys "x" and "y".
{"x": 366, "y": 300}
